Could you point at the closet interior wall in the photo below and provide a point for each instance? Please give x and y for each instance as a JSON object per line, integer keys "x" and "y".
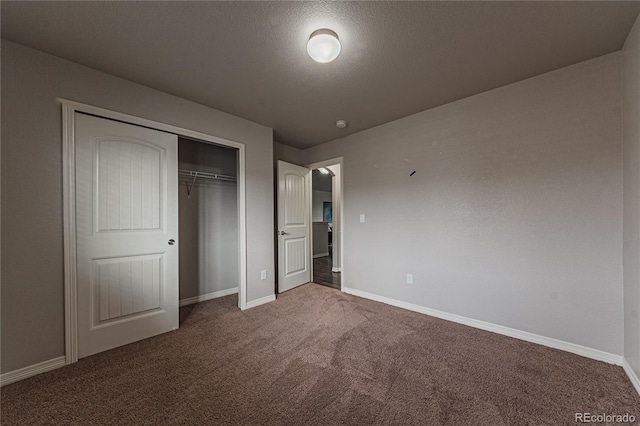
{"x": 208, "y": 220}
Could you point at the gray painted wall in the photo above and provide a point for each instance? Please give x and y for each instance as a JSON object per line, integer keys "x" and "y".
{"x": 514, "y": 214}
{"x": 32, "y": 234}
{"x": 320, "y": 181}
{"x": 320, "y": 238}
{"x": 286, "y": 153}
{"x": 631, "y": 132}
{"x": 318, "y": 199}
{"x": 208, "y": 221}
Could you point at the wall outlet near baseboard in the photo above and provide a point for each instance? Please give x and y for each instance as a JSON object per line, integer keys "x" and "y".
{"x": 409, "y": 278}
{"x": 263, "y": 274}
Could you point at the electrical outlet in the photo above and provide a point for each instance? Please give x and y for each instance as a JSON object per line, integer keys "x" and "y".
{"x": 409, "y": 278}
{"x": 361, "y": 218}
{"x": 263, "y": 274}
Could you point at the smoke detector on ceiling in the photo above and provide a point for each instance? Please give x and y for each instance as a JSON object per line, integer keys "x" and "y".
{"x": 341, "y": 124}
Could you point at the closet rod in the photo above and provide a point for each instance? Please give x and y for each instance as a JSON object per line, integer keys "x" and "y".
{"x": 202, "y": 175}
{"x": 205, "y": 175}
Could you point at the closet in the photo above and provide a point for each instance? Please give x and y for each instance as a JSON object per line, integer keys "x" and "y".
{"x": 208, "y": 220}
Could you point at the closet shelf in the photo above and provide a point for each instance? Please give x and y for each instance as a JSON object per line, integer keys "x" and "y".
{"x": 204, "y": 175}
{"x": 192, "y": 175}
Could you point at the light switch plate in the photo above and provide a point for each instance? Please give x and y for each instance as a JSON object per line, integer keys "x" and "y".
{"x": 361, "y": 218}
{"x": 263, "y": 274}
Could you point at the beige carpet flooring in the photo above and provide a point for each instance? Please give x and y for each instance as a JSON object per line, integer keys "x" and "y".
{"x": 320, "y": 357}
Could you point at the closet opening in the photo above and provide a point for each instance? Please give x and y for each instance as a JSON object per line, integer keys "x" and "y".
{"x": 208, "y": 221}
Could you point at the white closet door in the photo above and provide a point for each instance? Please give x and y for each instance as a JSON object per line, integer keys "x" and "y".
{"x": 127, "y": 230}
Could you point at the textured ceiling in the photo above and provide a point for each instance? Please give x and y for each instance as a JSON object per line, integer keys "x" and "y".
{"x": 249, "y": 58}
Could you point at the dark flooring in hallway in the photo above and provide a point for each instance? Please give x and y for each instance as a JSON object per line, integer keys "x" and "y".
{"x": 322, "y": 273}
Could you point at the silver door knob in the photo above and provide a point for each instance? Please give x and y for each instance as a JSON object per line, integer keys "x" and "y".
{"x": 282, "y": 233}
{"x": 172, "y": 242}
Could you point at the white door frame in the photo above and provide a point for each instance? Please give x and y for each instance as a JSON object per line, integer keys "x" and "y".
{"x": 312, "y": 167}
{"x": 69, "y": 108}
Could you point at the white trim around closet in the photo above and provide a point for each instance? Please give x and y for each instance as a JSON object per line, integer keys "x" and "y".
{"x": 69, "y": 108}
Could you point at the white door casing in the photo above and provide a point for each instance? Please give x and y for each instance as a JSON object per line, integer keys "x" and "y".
{"x": 336, "y": 207}
{"x": 126, "y": 215}
{"x": 294, "y": 250}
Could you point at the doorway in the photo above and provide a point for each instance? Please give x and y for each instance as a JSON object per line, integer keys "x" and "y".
{"x": 322, "y": 228}
{"x": 326, "y": 215}
{"x": 295, "y": 222}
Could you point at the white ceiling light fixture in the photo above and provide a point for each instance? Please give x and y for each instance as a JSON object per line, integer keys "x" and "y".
{"x": 341, "y": 124}
{"x": 323, "y": 45}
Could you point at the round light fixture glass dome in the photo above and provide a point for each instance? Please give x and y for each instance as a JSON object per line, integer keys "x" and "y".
{"x": 323, "y": 45}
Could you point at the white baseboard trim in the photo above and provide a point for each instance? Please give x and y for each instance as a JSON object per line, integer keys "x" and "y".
{"x": 261, "y": 301}
{"x": 315, "y": 256}
{"x": 635, "y": 381}
{"x": 499, "y": 329}
{"x": 335, "y": 270}
{"x": 208, "y": 296}
{"x": 32, "y": 370}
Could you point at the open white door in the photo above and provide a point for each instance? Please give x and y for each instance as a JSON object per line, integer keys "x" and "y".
{"x": 293, "y": 226}
{"x": 126, "y": 224}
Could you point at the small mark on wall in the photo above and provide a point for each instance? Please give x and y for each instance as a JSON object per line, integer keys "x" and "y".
{"x": 412, "y": 173}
